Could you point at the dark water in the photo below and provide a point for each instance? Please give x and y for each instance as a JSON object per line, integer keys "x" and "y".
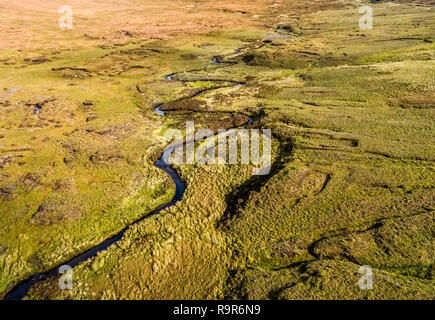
{"x": 20, "y": 290}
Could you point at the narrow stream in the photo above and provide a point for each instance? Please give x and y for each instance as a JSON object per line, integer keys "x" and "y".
{"x": 20, "y": 290}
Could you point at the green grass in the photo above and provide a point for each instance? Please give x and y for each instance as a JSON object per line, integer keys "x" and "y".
{"x": 352, "y": 182}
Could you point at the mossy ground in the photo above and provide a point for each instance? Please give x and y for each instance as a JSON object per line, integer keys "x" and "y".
{"x": 352, "y": 184}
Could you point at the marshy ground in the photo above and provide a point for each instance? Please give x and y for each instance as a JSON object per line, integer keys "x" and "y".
{"x": 352, "y": 117}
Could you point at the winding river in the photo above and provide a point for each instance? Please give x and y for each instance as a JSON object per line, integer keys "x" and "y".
{"x": 20, "y": 290}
